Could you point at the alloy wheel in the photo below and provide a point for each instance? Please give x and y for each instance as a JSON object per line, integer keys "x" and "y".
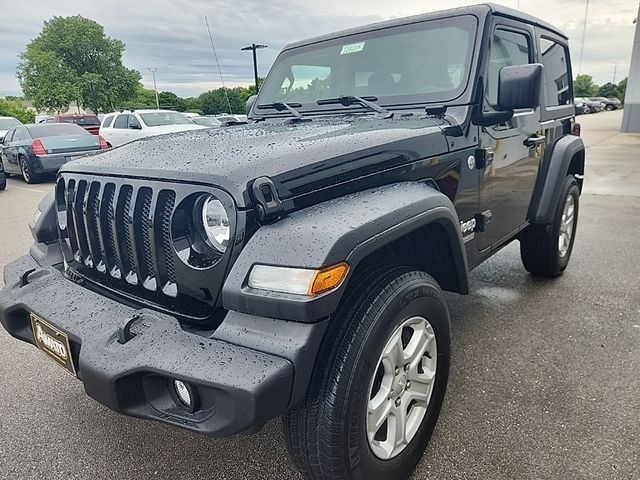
{"x": 401, "y": 387}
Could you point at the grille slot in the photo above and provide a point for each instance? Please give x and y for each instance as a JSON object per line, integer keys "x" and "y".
{"x": 121, "y": 233}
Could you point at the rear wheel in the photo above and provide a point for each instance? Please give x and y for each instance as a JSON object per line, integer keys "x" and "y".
{"x": 27, "y": 172}
{"x": 379, "y": 383}
{"x": 3, "y": 181}
{"x": 546, "y": 249}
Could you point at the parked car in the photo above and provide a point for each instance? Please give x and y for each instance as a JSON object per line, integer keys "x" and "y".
{"x": 206, "y": 121}
{"x": 124, "y": 127}
{"x": 232, "y": 118}
{"x": 581, "y": 106}
{"x": 88, "y": 121}
{"x": 616, "y": 102}
{"x": 295, "y": 265}
{"x": 36, "y": 149}
{"x": 6, "y": 124}
{"x": 591, "y": 105}
{"x": 606, "y": 103}
{"x": 3, "y": 177}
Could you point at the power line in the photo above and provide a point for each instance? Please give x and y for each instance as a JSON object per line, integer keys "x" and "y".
{"x": 226, "y": 94}
{"x": 584, "y": 32}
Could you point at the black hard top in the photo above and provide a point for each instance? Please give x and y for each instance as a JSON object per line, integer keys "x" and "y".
{"x": 479, "y": 10}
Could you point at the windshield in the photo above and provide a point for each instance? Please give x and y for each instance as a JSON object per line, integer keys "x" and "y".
{"x": 157, "y": 119}
{"x": 7, "y": 123}
{"x": 422, "y": 62}
{"x": 206, "y": 121}
{"x": 84, "y": 120}
{"x": 56, "y": 130}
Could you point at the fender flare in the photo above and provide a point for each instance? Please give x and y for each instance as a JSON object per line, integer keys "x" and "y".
{"x": 343, "y": 229}
{"x": 551, "y": 177}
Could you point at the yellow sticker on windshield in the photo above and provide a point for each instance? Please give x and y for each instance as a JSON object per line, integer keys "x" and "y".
{"x": 353, "y": 48}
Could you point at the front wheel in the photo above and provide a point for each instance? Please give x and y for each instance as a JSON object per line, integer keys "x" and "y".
{"x": 546, "y": 249}
{"x": 379, "y": 383}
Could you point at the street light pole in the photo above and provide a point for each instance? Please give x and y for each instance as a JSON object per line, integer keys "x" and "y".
{"x": 253, "y": 47}
{"x": 155, "y": 87}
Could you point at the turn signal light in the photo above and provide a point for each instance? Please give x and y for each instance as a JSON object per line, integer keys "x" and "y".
{"x": 328, "y": 278}
{"x": 297, "y": 281}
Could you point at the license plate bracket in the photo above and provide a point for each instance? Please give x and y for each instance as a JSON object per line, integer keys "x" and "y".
{"x": 53, "y": 342}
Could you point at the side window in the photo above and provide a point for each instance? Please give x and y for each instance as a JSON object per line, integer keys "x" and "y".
{"x": 19, "y": 135}
{"x": 107, "y": 122}
{"x": 507, "y": 49}
{"x": 9, "y": 136}
{"x": 133, "y": 122}
{"x": 556, "y": 73}
{"x": 50, "y": 120}
{"x": 121, "y": 121}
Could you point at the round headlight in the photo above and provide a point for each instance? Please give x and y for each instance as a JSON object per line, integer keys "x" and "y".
{"x": 216, "y": 223}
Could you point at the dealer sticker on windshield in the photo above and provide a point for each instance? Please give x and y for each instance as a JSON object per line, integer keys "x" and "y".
{"x": 352, "y": 48}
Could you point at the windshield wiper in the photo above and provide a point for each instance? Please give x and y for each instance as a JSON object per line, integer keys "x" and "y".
{"x": 281, "y": 106}
{"x": 348, "y": 100}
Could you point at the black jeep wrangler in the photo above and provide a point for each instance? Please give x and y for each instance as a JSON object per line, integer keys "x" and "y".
{"x": 293, "y": 265}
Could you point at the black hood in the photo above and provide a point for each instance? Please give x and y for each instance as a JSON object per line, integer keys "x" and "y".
{"x": 298, "y": 157}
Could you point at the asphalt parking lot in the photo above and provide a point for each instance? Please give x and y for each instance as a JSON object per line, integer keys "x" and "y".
{"x": 545, "y": 379}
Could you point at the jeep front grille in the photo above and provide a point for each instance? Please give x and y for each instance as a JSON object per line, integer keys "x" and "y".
{"x": 118, "y": 234}
{"x": 112, "y": 229}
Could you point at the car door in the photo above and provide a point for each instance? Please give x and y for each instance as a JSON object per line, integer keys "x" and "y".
{"x": 120, "y": 131}
{"x": 135, "y": 128}
{"x": 5, "y": 152}
{"x": 20, "y": 138}
{"x": 515, "y": 148}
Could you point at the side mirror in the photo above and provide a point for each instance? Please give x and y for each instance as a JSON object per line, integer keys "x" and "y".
{"x": 250, "y": 102}
{"x": 135, "y": 126}
{"x": 519, "y": 86}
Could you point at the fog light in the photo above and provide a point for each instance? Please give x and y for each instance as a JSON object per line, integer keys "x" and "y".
{"x": 184, "y": 393}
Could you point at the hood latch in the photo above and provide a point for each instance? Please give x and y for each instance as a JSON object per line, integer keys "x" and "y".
{"x": 268, "y": 204}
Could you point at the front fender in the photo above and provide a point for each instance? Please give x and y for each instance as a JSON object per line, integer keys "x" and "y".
{"x": 344, "y": 229}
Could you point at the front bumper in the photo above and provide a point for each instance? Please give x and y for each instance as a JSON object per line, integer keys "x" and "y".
{"x": 240, "y": 387}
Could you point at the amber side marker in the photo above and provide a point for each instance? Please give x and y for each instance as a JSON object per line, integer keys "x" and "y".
{"x": 327, "y": 278}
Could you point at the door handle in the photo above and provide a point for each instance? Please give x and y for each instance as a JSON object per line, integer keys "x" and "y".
{"x": 534, "y": 140}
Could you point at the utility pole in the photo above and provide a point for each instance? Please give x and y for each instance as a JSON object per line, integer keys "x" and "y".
{"x": 584, "y": 32}
{"x": 155, "y": 87}
{"x": 254, "y": 47}
{"x": 615, "y": 70}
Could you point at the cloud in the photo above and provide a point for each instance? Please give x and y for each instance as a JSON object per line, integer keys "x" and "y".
{"x": 172, "y": 37}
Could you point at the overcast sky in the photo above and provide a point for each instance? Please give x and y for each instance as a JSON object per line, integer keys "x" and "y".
{"x": 171, "y": 35}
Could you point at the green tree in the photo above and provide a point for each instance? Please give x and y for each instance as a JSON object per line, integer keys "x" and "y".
{"x": 583, "y": 86}
{"x": 215, "y": 101}
{"x": 609, "y": 90}
{"x": 143, "y": 98}
{"x": 15, "y": 108}
{"x": 172, "y": 101}
{"x": 72, "y": 60}
{"x": 622, "y": 88}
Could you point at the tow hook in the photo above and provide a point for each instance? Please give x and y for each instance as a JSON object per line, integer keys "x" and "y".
{"x": 124, "y": 332}
{"x": 24, "y": 278}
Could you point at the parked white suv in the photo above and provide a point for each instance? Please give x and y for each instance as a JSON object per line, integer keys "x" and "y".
{"x": 124, "y": 127}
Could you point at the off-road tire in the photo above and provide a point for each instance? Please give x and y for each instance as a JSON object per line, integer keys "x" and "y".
{"x": 539, "y": 243}
{"x": 326, "y": 433}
